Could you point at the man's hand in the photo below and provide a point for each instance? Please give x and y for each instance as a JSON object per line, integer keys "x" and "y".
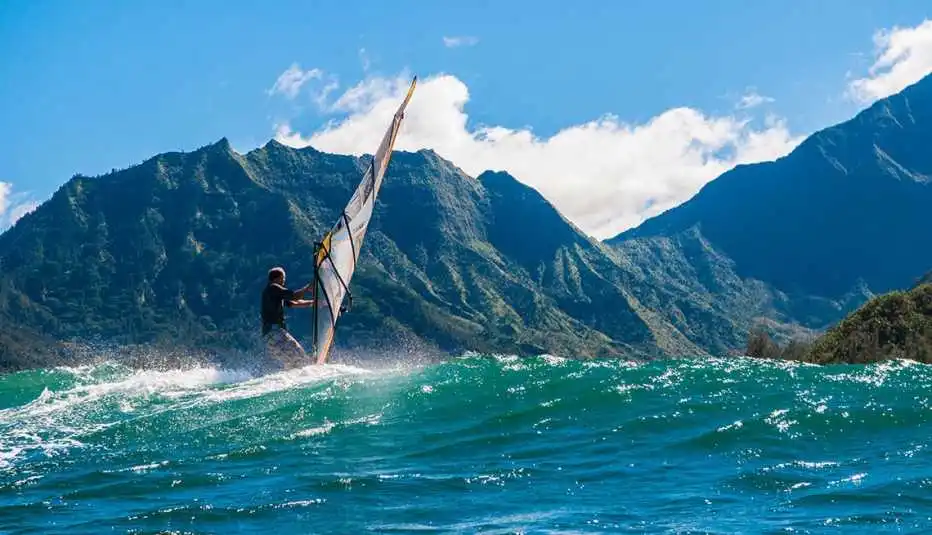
{"x": 301, "y": 291}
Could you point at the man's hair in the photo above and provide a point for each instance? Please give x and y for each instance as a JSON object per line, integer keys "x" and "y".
{"x": 275, "y": 273}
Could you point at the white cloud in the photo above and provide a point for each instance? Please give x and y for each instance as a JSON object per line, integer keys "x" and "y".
{"x": 289, "y": 83}
{"x": 12, "y": 207}
{"x": 604, "y": 175}
{"x": 20, "y": 210}
{"x": 752, "y": 99}
{"x": 6, "y": 190}
{"x": 364, "y": 59}
{"x": 285, "y": 135}
{"x": 903, "y": 57}
{"x": 452, "y": 42}
{"x": 320, "y": 97}
{"x": 369, "y": 94}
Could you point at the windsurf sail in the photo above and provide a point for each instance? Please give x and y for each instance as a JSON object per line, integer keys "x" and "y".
{"x": 338, "y": 251}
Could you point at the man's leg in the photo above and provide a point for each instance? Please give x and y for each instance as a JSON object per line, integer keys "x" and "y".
{"x": 296, "y": 355}
{"x": 284, "y": 348}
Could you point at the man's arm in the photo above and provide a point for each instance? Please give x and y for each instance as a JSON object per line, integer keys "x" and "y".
{"x": 300, "y": 303}
{"x": 290, "y": 295}
{"x": 307, "y": 288}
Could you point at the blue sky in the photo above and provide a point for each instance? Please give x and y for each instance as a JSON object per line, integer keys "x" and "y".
{"x": 94, "y": 85}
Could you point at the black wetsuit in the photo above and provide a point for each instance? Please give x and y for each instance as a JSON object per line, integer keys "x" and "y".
{"x": 274, "y": 297}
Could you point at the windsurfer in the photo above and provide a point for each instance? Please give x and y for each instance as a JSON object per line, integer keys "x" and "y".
{"x": 275, "y": 297}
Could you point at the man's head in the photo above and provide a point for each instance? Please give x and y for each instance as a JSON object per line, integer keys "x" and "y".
{"x": 277, "y": 275}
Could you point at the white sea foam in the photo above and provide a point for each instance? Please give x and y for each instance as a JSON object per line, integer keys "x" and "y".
{"x": 55, "y": 421}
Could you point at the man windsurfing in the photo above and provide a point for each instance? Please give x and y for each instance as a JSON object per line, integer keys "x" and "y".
{"x": 275, "y": 297}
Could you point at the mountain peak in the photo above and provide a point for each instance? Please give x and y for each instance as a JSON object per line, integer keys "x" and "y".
{"x": 274, "y": 144}
{"x": 506, "y": 186}
{"x": 220, "y": 146}
{"x": 504, "y": 182}
{"x": 516, "y": 201}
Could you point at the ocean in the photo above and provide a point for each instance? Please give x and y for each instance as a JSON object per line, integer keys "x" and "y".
{"x": 473, "y": 445}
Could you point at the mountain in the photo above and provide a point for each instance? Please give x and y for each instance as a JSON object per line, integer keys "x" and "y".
{"x": 897, "y": 325}
{"x": 807, "y": 238}
{"x": 176, "y": 250}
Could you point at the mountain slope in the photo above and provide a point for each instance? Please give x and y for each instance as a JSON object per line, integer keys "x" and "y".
{"x": 844, "y": 216}
{"x": 897, "y": 325}
{"x": 176, "y": 250}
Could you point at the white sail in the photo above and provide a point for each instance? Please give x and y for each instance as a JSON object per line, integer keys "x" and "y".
{"x": 338, "y": 252}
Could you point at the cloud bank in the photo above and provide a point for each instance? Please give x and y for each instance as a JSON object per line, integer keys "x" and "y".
{"x": 903, "y": 56}
{"x": 605, "y": 175}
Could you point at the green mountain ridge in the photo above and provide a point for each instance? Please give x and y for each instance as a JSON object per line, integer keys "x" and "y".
{"x": 175, "y": 250}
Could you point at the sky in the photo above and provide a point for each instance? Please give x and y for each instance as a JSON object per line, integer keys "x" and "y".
{"x": 614, "y": 111}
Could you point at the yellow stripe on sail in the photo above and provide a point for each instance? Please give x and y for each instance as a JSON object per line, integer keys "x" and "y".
{"x": 324, "y": 249}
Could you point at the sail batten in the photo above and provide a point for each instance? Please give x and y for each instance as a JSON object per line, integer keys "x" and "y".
{"x": 338, "y": 252}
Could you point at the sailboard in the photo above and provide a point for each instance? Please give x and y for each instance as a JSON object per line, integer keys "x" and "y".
{"x": 338, "y": 251}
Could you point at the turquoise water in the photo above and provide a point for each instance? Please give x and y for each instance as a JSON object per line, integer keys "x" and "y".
{"x": 492, "y": 445}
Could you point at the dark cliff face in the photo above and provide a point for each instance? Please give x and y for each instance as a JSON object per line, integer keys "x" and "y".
{"x": 848, "y": 206}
